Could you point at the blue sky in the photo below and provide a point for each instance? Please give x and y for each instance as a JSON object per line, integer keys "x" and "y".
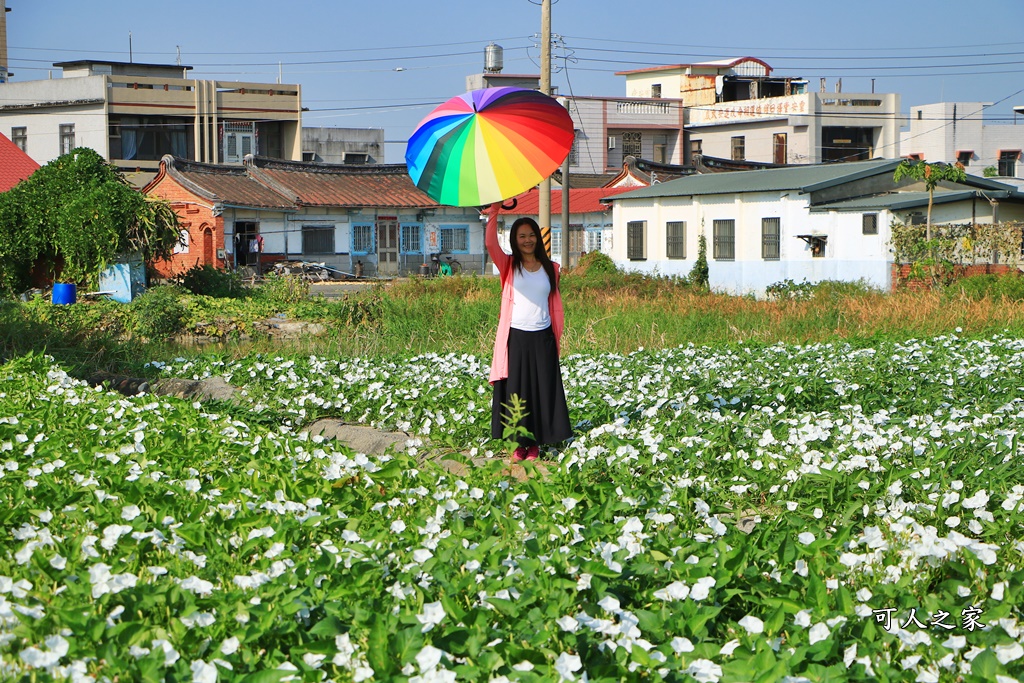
{"x": 386, "y": 63}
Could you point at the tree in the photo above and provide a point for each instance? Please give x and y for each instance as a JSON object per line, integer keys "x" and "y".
{"x": 78, "y": 210}
{"x": 931, "y": 175}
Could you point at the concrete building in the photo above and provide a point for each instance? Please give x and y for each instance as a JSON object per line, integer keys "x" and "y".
{"x": 735, "y": 109}
{"x": 343, "y": 145}
{"x": 816, "y": 222}
{"x": 958, "y": 131}
{"x": 133, "y": 114}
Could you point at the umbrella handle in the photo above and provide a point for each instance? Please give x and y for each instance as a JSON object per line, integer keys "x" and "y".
{"x": 515, "y": 203}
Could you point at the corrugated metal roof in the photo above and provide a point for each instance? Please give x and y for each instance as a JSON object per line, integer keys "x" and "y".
{"x": 895, "y": 201}
{"x": 15, "y": 165}
{"x": 803, "y": 178}
{"x": 226, "y": 184}
{"x": 581, "y": 200}
{"x": 338, "y": 185}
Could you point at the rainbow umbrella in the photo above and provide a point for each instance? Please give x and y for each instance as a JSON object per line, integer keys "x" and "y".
{"x": 488, "y": 145}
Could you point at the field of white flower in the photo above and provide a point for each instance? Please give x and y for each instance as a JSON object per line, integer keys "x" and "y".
{"x": 776, "y": 513}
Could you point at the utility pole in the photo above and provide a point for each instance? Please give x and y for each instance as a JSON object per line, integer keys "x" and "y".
{"x": 565, "y": 202}
{"x": 544, "y": 209}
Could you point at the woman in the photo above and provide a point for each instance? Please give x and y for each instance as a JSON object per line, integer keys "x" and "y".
{"x": 529, "y": 333}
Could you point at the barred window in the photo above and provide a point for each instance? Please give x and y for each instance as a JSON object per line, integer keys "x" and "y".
{"x": 632, "y": 144}
{"x": 724, "y": 240}
{"x": 19, "y": 136}
{"x": 636, "y": 240}
{"x": 594, "y": 240}
{"x": 869, "y": 224}
{"x": 675, "y": 239}
{"x": 67, "y": 137}
{"x": 362, "y": 239}
{"x": 412, "y": 239}
{"x": 739, "y": 148}
{"x": 455, "y": 239}
{"x": 770, "y": 229}
{"x": 317, "y": 239}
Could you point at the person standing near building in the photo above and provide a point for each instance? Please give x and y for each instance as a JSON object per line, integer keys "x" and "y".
{"x": 526, "y": 347}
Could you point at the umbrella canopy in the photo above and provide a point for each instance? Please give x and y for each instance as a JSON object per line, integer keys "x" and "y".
{"x": 488, "y": 145}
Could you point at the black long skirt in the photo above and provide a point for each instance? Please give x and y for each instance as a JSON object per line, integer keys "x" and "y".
{"x": 535, "y": 375}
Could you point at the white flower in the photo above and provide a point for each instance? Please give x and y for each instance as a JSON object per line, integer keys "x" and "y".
{"x": 806, "y": 538}
{"x": 1008, "y": 653}
{"x": 752, "y": 624}
{"x": 567, "y": 623}
{"x": 130, "y": 512}
{"x": 428, "y": 658}
{"x": 978, "y": 500}
{"x": 198, "y": 619}
{"x": 818, "y": 632}
{"x": 421, "y": 555}
{"x": 802, "y": 618}
{"x": 432, "y": 615}
{"x": 674, "y": 591}
{"x": 952, "y": 522}
{"x": 313, "y": 659}
{"x": 567, "y": 665}
{"x": 170, "y": 654}
{"x": 728, "y": 648}
{"x": 702, "y": 588}
{"x": 230, "y": 646}
{"x": 704, "y": 670}
{"x": 200, "y": 587}
{"x": 203, "y": 672}
{"x": 609, "y": 604}
{"x": 681, "y": 645}
{"x": 397, "y": 526}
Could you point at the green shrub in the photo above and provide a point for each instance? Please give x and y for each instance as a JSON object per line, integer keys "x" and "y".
{"x": 283, "y": 290}
{"x": 699, "y": 277}
{"x": 160, "y": 312}
{"x": 596, "y": 263}
{"x": 822, "y": 290}
{"x": 977, "y": 287}
{"x": 209, "y": 281}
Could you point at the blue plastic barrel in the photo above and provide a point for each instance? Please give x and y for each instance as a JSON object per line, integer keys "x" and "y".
{"x": 65, "y": 293}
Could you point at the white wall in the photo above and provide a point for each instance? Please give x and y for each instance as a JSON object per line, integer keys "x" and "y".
{"x": 849, "y": 254}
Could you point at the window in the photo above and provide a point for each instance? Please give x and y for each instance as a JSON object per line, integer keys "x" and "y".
{"x": 362, "y": 239}
{"x": 412, "y": 239}
{"x": 556, "y": 241}
{"x": 67, "y": 137}
{"x": 632, "y": 144}
{"x": 636, "y": 240}
{"x": 770, "y": 233}
{"x": 920, "y": 114}
{"x": 1008, "y": 162}
{"x": 353, "y": 159}
{"x": 724, "y": 240}
{"x": 675, "y": 239}
{"x": 184, "y": 240}
{"x": 964, "y": 156}
{"x": 917, "y": 218}
{"x": 239, "y": 140}
{"x": 317, "y": 239}
{"x": 574, "y": 152}
{"x": 656, "y": 90}
{"x": 594, "y": 240}
{"x": 696, "y": 150}
{"x": 739, "y": 149}
{"x": 660, "y": 155}
{"x": 19, "y": 136}
{"x": 869, "y": 224}
{"x": 779, "y": 148}
{"x": 455, "y": 239}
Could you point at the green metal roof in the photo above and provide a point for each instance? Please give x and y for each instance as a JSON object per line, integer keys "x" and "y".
{"x": 803, "y": 178}
{"x": 896, "y": 201}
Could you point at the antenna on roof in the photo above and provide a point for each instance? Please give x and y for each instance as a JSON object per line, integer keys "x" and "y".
{"x": 179, "y": 54}
{"x": 130, "y": 59}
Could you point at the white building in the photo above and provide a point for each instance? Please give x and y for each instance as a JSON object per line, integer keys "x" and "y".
{"x": 957, "y": 131}
{"x": 820, "y": 222}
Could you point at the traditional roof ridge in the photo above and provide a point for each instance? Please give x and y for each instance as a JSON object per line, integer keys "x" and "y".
{"x": 269, "y": 163}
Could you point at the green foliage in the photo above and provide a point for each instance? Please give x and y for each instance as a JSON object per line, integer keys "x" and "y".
{"x": 823, "y": 290}
{"x": 699, "y": 274}
{"x": 284, "y": 290}
{"x": 595, "y": 263}
{"x": 956, "y": 244}
{"x": 206, "y": 280}
{"x": 990, "y": 172}
{"x": 79, "y": 212}
{"x": 160, "y": 312}
{"x": 977, "y": 287}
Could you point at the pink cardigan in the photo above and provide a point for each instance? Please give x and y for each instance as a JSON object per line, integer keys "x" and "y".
{"x": 499, "y": 365}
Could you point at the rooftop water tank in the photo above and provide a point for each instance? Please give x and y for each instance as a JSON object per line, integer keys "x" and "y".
{"x": 493, "y": 59}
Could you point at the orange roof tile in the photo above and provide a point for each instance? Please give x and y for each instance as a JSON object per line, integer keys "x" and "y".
{"x": 15, "y": 165}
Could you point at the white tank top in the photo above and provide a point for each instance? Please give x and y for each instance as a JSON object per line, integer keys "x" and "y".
{"x": 530, "y": 300}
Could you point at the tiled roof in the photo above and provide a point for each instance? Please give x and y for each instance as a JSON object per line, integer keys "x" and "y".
{"x": 582, "y": 200}
{"x": 340, "y": 185}
{"x": 224, "y": 183}
{"x": 803, "y": 178}
{"x": 15, "y": 165}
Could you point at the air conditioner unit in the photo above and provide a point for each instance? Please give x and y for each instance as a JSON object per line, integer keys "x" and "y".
{"x": 611, "y": 142}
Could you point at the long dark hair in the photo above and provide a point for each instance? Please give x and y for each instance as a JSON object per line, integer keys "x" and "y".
{"x": 539, "y": 251}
